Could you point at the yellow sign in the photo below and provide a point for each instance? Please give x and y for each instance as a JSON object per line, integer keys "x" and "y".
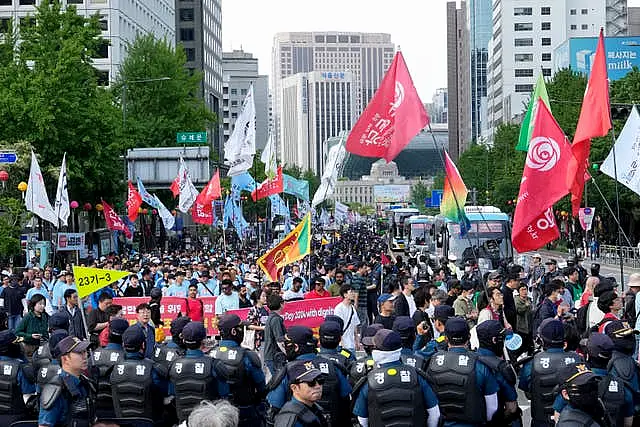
{"x": 90, "y": 279}
{"x": 324, "y": 241}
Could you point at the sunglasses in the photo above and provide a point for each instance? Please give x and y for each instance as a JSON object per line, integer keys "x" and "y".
{"x": 313, "y": 383}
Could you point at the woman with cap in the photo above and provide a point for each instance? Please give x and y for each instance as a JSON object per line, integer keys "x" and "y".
{"x": 34, "y": 326}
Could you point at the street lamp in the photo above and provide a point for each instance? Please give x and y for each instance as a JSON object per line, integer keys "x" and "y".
{"x": 124, "y": 94}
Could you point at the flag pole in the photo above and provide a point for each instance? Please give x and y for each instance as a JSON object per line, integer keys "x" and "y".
{"x": 615, "y": 218}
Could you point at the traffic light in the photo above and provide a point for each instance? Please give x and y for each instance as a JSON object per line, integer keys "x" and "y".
{"x": 620, "y": 112}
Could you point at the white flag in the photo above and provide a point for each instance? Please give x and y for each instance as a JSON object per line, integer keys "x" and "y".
{"x": 36, "y": 198}
{"x": 62, "y": 194}
{"x": 340, "y": 212}
{"x": 188, "y": 192}
{"x": 167, "y": 219}
{"x": 268, "y": 157}
{"x": 627, "y": 157}
{"x": 332, "y": 170}
{"x": 241, "y": 145}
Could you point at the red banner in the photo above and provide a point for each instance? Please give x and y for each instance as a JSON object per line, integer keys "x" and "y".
{"x": 113, "y": 220}
{"x": 309, "y": 313}
{"x": 269, "y": 187}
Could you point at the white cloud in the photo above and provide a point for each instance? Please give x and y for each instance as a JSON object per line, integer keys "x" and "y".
{"x": 418, "y": 27}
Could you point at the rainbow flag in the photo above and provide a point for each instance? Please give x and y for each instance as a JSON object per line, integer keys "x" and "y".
{"x": 454, "y": 191}
{"x": 295, "y": 246}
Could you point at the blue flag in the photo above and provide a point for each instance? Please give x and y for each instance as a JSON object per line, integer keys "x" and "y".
{"x": 241, "y": 182}
{"x": 228, "y": 212}
{"x": 146, "y": 196}
{"x": 278, "y": 207}
{"x": 295, "y": 187}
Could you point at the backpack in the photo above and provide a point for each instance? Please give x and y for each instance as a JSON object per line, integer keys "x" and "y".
{"x": 630, "y": 314}
{"x": 581, "y": 319}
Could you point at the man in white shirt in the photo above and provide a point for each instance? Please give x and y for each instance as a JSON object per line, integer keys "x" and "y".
{"x": 347, "y": 312}
{"x": 295, "y": 293}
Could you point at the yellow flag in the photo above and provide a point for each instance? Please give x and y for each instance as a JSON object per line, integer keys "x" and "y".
{"x": 324, "y": 241}
{"x": 90, "y": 279}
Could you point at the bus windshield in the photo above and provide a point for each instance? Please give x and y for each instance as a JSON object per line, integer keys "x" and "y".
{"x": 419, "y": 233}
{"x": 487, "y": 238}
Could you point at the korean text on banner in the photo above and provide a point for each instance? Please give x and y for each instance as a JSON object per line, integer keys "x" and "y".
{"x": 70, "y": 241}
{"x": 91, "y": 279}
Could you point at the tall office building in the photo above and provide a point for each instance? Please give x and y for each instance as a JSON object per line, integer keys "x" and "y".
{"x": 458, "y": 81}
{"x": 239, "y": 72}
{"x": 633, "y": 21}
{"x": 525, "y": 35}
{"x": 120, "y": 21}
{"x": 198, "y": 26}
{"x": 479, "y": 22}
{"x": 316, "y": 106}
{"x": 366, "y": 55}
{"x": 438, "y": 108}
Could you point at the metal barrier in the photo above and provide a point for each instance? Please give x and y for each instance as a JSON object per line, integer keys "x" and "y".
{"x": 610, "y": 254}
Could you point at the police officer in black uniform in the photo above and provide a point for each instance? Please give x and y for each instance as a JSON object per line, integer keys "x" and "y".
{"x": 241, "y": 369}
{"x": 330, "y": 334}
{"x": 365, "y": 364}
{"x": 344, "y": 351}
{"x": 622, "y": 364}
{"x": 58, "y": 323}
{"x": 14, "y": 382}
{"x": 466, "y": 388}
{"x": 580, "y": 390}
{"x": 541, "y": 375}
{"x": 68, "y": 398}
{"x": 104, "y": 359}
{"x": 47, "y": 372}
{"x": 441, "y": 314}
{"x": 137, "y": 386}
{"x": 166, "y": 354}
{"x": 193, "y": 376}
{"x": 405, "y": 327}
{"x": 305, "y": 382}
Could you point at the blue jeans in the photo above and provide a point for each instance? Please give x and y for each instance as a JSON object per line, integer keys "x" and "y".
{"x": 14, "y": 319}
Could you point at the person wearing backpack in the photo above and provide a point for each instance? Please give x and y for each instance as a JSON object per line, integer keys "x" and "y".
{"x": 632, "y": 309}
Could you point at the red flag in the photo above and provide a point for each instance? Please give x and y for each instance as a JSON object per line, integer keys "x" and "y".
{"x": 384, "y": 259}
{"x": 594, "y": 121}
{"x": 113, "y": 220}
{"x": 175, "y": 186}
{"x": 134, "y": 201}
{"x": 544, "y": 182}
{"x": 201, "y": 213}
{"x": 393, "y": 117}
{"x": 269, "y": 187}
{"x": 211, "y": 191}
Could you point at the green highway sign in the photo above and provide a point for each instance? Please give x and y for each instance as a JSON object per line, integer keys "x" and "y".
{"x": 191, "y": 137}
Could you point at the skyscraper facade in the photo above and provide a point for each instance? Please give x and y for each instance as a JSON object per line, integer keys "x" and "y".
{"x": 479, "y": 21}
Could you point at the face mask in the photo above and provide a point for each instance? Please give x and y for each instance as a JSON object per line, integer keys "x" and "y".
{"x": 296, "y": 274}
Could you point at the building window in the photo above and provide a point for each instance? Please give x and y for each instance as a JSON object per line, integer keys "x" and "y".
{"x": 524, "y": 72}
{"x": 343, "y": 39}
{"x": 103, "y": 50}
{"x": 225, "y": 90}
{"x": 522, "y": 11}
{"x": 186, "y": 15}
{"x": 103, "y": 77}
{"x": 104, "y": 22}
{"x": 27, "y": 21}
{"x": 584, "y": 11}
{"x": 186, "y": 34}
{"x": 243, "y": 91}
{"x": 191, "y": 53}
{"x": 545, "y": 26}
{"x": 574, "y": 27}
{"x": 332, "y": 39}
{"x": 546, "y": 57}
{"x": 319, "y": 39}
{"x": 546, "y": 41}
{"x": 572, "y": 12}
{"x": 4, "y": 24}
{"x": 524, "y": 88}
{"x": 234, "y": 91}
{"x": 234, "y": 103}
{"x": 585, "y": 26}
{"x": 75, "y": 1}
{"x": 234, "y": 116}
{"x": 523, "y": 26}
{"x": 545, "y": 11}
{"x": 523, "y": 42}
{"x": 225, "y": 114}
{"x": 27, "y": 2}
{"x": 523, "y": 57}
{"x": 546, "y": 72}
{"x": 6, "y": 2}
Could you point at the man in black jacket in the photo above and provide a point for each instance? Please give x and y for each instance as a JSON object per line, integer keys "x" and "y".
{"x": 13, "y": 295}
{"x": 509, "y": 305}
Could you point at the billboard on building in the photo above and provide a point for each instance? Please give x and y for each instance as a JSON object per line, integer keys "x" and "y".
{"x": 623, "y": 53}
{"x": 392, "y": 193}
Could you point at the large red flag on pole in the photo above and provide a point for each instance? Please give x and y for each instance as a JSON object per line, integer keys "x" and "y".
{"x": 543, "y": 183}
{"x": 134, "y": 201}
{"x": 202, "y": 209}
{"x": 269, "y": 186}
{"x": 113, "y": 220}
{"x": 393, "y": 117}
{"x": 594, "y": 121}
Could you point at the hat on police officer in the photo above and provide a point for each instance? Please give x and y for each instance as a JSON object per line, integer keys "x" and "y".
{"x": 300, "y": 335}
{"x": 576, "y": 374}
{"x": 599, "y": 345}
{"x": 443, "y": 312}
{"x": 403, "y": 324}
{"x": 619, "y": 329}
{"x": 178, "y": 324}
{"x": 489, "y": 329}
{"x": 71, "y": 344}
{"x": 229, "y": 321}
{"x": 300, "y": 371}
{"x": 456, "y": 330}
{"x": 117, "y": 326}
{"x": 369, "y": 332}
{"x": 7, "y": 338}
{"x": 133, "y": 338}
{"x": 59, "y": 320}
{"x": 330, "y": 330}
{"x": 551, "y": 331}
{"x": 56, "y": 336}
{"x": 194, "y": 333}
{"x": 386, "y": 340}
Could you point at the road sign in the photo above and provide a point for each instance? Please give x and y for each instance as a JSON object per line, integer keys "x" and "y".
{"x": 8, "y": 157}
{"x": 191, "y": 137}
{"x": 436, "y": 198}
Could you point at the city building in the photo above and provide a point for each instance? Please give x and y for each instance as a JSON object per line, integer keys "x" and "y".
{"x": 198, "y": 27}
{"x": 366, "y": 55}
{"x": 239, "y": 72}
{"x": 633, "y": 21}
{"x": 419, "y": 159}
{"x": 458, "y": 79}
{"x": 315, "y": 107}
{"x": 525, "y": 35}
{"x": 120, "y": 21}
{"x": 438, "y": 108}
{"x": 383, "y": 185}
{"x": 480, "y": 25}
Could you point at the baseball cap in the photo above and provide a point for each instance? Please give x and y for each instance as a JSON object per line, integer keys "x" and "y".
{"x": 551, "y": 261}
{"x": 251, "y": 278}
{"x": 599, "y": 345}
{"x": 456, "y": 330}
{"x": 443, "y": 312}
{"x": 334, "y": 318}
{"x": 59, "y": 320}
{"x": 56, "y": 336}
{"x": 7, "y": 338}
{"x": 302, "y": 371}
{"x": 386, "y": 340}
{"x": 495, "y": 275}
{"x": 178, "y": 324}
{"x": 536, "y": 255}
{"x": 403, "y": 323}
{"x": 386, "y": 297}
{"x": 193, "y": 333}
{"x": 369, "y": 332}
{"x": 551, "y": 331}
{"x": 133, "y": 337}
{"x": 300, "y": 335}
{"x": 117, "y": 326}
{"x": 229, "y": 321}
{"x": 489, "y": 329}
{"x": 71, "y": 344}
{"x": 330, "y": 330}
{"x": 577, "y": 374}
{"x": 619, "y": 329}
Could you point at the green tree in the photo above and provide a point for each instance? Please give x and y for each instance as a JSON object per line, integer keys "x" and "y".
{"x": 158, "y": 95}
{"x": 476, "y": 168}
{"x": 418, "y": 193}
{"x": 11, "y": 213}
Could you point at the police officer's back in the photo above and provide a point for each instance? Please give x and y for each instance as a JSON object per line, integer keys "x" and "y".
{"x": 405, "y": 327}
{"x": 330, "y": 334}
{"x": 395, "y": 393}
{"x": 58, "y": 322}
{"x": 466, "y": 389}
{"x": 193, "y": 376}
{"x": 47, "y": 371}
{"x": 68, "y": 398}
{"x": 104, "y": 359}
{"x": 137, "y": 386}
{"x": 167, "y": 353}
{"x": 541, "y": 375}
{"x": 300, "y": 344}
{"x": 241, "y": 369}
{"x": 441, "y": 314}
{"x": 580, "y": 390}
{"x": 622, "y": 364}
{"x": 305, "y": 382}
{"x": 14, "y": 381}
{"x": 365, "y": 364}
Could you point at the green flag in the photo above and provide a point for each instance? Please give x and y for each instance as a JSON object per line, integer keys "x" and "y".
{"x": 539, "y": 91}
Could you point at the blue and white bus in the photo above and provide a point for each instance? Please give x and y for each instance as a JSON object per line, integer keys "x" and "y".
{"x": 420, "y": 231}
{"x": 397, "y": 216}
